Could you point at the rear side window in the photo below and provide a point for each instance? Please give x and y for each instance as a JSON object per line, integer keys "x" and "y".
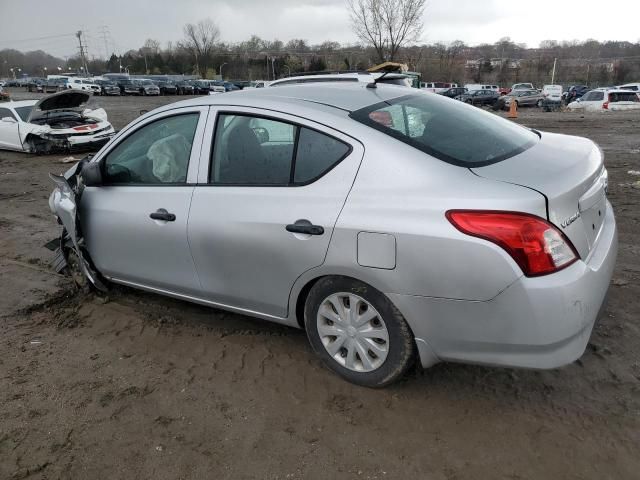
{"x": 450, "y": 131}
{"x": 316, "y": 154}
{"x": 623, "y": 97}
{"x": 256, "y": 151}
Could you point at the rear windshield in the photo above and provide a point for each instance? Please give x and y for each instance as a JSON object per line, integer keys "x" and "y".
{"x": 447, "y": 129}
{"x": 623, "y": 97}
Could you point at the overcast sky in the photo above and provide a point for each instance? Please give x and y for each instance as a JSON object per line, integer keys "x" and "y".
{"x": 130, "y": 22}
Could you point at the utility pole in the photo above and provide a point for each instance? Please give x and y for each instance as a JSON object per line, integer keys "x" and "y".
{"x": 83, "y": 52}
{"x": 553, "y": 72}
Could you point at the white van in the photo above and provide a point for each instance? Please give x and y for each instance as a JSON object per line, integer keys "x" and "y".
{"x": 479, "y": 86}
{"x": 437, "y": 87}
{"x": 552, "y": 93}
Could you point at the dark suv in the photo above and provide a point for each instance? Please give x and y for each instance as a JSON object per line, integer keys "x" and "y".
{"x": 574, "y": 92}
{"x": 453, "y": 92}
{"x": 479, "y": 97}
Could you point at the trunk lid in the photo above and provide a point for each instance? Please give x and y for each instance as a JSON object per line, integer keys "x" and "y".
{"x": 570, "y": 173}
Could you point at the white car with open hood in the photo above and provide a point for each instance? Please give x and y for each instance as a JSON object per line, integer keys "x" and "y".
{"x": 55, "y": 122}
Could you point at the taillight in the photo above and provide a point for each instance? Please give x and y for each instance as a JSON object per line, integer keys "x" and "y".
{"x": 605, "y": 105}
{"x": 537, "y": 246}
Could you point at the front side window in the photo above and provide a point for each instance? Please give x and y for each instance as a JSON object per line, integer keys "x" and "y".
{"x": 258, "y": 151}
{"x": 157, "y": 153}
{"x": 450, "y": 131}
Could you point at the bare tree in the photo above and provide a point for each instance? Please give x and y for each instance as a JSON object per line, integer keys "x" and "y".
{"x": 387, "y": 25}
{"x": 200, "y": 40}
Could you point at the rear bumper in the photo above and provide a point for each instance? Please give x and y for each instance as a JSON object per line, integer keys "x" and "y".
{"x": 541, "y": 322}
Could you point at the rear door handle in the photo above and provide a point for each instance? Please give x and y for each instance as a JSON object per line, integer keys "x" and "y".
{"x": 162, "y": 214}
{"x": 304, "y": 226}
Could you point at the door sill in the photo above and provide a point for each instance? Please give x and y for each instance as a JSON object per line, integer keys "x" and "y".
{"x": 208, "y": 303}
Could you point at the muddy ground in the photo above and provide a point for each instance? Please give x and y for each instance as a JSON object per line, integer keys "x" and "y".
{"x": 135, "y": 385}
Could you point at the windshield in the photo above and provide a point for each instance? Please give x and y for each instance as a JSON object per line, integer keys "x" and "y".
{"x": 447, "y": 129}
{"x": 23, "y": 112}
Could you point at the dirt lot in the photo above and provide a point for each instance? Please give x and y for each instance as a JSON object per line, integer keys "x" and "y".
{"x": 139, "y": 386}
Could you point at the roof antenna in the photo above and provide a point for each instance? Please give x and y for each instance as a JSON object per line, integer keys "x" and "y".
{"x": 374, "y": 84}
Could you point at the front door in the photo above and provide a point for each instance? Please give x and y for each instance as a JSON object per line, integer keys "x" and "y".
{"x": 264, "y": 212}
{"x": 135, "y": 225}
{"x": 9, "y": 130}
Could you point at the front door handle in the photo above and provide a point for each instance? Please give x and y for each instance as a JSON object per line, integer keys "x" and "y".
{"x": 305, "y": 226}
{"x": 162, "y": 214}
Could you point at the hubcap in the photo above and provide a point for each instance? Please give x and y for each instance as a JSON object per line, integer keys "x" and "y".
{"x": 353, "y": 332}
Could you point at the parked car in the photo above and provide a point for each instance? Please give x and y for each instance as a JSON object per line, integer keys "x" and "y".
{"x": 201, "y": 87}
{"x": 3, "y": 83}
{"x": 54, "y": 85}
{"x": 551, "y": 96}
{"x": 83, "y": 84}
{"x": 630, "y": 86}
{"x": 128, "y": 87}
{"x": 599, "y": 100}
{"x": 147, "y": 87}
{"x": 574, "y": 92}
{"x": 479, "y": 97}
{"x": 437, "y": 87}
{"x": 167, "y": 87}
{"x": 521, "y": 86}
{"x": 107, "y": 87}
{"x": 4, "y": 96}
{"x": 228, "y": 86}
{"x": 55, "y": 122}
{"x": 453, "y": 92}
{"x": 36, "y": 85}
{"x": 502, "y": 257}
{"x": 184, "y": 88}
{"x": 346, "y": 77}
{"x": 522, "y": 98}
{"x": 478, "y": 86}
{"x": 261, "y": 84}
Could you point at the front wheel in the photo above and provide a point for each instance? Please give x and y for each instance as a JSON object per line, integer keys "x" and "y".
{"x": 357, "y": 332}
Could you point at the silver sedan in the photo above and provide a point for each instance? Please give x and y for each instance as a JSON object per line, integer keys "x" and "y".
{"x": 390, "y": 224}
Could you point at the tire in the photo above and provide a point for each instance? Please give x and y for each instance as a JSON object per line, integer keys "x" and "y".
{"x": 388, "y": 354}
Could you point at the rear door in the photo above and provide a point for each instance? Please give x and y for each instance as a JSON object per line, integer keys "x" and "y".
{"x": 266, "y": 204}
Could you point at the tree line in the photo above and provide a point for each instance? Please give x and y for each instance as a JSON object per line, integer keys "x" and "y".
{"x": 387, "y": 30}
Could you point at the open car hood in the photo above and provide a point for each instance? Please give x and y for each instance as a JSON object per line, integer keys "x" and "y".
{"x": 66, "y": 100}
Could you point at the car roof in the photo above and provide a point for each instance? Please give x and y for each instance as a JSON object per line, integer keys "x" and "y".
{"x": 342, "y": 96}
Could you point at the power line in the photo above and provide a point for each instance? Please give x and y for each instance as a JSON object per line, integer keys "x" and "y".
{"x": 37, "y": 38}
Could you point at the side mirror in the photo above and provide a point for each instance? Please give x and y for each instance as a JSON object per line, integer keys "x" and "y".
{"x": 9, "y": 120}
{"x": 92, "y": 174}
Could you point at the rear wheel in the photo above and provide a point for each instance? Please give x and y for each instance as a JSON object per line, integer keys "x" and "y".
{"x": 358, "y": 332}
